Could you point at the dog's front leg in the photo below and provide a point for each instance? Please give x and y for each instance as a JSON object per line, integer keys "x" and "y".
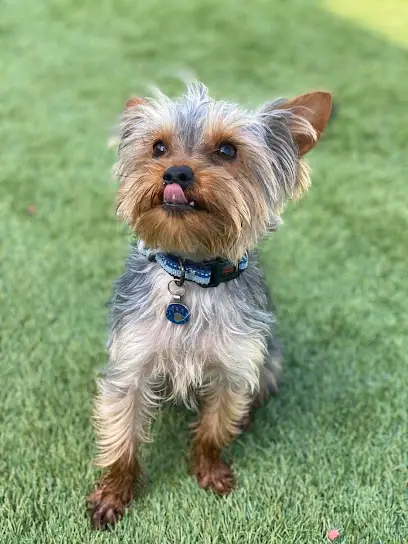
{"x": 121, "y": 422}
{"x": 220, "y": 416}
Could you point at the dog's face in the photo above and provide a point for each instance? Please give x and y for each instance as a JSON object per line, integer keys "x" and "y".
{"x": 206, "y": 178}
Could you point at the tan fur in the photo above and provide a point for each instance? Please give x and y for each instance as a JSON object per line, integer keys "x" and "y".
{"x": 303, "y": 181}
{"x": 222, "y": 412}
{"x": 115, "y": 425}
{"x": 231, "y": 213}
{"x": 224, "y": 225}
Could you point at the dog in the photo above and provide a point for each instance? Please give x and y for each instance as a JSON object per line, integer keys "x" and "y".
{"x": 201, "y": 182}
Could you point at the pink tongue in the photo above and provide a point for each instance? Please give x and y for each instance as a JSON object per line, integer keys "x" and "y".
{"x": 174, "y": 194}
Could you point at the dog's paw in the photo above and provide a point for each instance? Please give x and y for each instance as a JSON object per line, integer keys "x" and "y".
{"x": 107, "y": 507}
{"x": 215, "y": 475}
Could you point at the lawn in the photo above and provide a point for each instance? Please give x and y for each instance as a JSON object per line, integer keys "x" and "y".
{"x": 331, "y": 450}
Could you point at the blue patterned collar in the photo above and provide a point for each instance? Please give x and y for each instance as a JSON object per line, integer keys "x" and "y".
{"x": 205, "y": 274}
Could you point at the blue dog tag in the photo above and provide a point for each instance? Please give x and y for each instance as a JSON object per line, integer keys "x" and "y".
{"x": 177, "y": 313}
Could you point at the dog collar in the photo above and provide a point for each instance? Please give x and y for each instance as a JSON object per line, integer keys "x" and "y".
{"x": 206, "y": 274}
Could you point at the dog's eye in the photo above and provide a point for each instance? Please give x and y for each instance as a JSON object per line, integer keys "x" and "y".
{"x": 159, "y": 149}
{"x": 226, "y": 151}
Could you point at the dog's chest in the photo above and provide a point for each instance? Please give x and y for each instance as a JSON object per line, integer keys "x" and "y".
{"x": 226, "y": 330}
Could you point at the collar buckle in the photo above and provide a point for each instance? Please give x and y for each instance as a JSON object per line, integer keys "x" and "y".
{"x": 221, "y": 272}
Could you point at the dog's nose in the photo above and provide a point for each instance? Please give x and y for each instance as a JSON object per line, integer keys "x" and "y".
{"x": 183, "y": 175}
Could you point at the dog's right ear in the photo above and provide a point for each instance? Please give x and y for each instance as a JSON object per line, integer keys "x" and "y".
{"x": 135, "y": 101}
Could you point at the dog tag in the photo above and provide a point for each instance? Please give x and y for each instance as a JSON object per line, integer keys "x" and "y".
{"x": 176, "y": 312}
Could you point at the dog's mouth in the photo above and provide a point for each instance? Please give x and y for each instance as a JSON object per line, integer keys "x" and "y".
{"x": 174, "y": 198}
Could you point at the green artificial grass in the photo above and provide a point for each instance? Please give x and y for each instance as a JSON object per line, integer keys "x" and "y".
{"x": 331, "y": 450}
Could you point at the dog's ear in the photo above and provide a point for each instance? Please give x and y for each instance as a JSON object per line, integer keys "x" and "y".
{"x": 301, "y": 121}
{"x": 129, "y": 118}
{"x": 135, "y": 101}
{"x": 306, "y": 117}
{"x": 315, "y": 109}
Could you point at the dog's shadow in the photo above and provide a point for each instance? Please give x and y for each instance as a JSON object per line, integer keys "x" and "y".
{"x": 279, "y": 422}
{"x": 170, "y": 452}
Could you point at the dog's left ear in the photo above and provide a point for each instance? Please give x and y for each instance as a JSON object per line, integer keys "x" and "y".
{"x": 135, "y": 101}
{"x": 306, "y": 116}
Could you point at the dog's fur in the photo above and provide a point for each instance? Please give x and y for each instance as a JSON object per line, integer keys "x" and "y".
{"x": 227, "y": 356}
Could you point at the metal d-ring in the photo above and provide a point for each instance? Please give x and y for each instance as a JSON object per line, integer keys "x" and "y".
{"x": 176, "y": 295}
{"x": 182, "y": 278}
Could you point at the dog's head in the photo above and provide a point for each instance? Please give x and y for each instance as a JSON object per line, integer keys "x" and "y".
{"x": 205, "y": 177}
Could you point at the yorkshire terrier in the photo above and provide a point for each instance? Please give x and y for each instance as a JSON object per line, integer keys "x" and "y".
{"x": 200, "y": 183}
